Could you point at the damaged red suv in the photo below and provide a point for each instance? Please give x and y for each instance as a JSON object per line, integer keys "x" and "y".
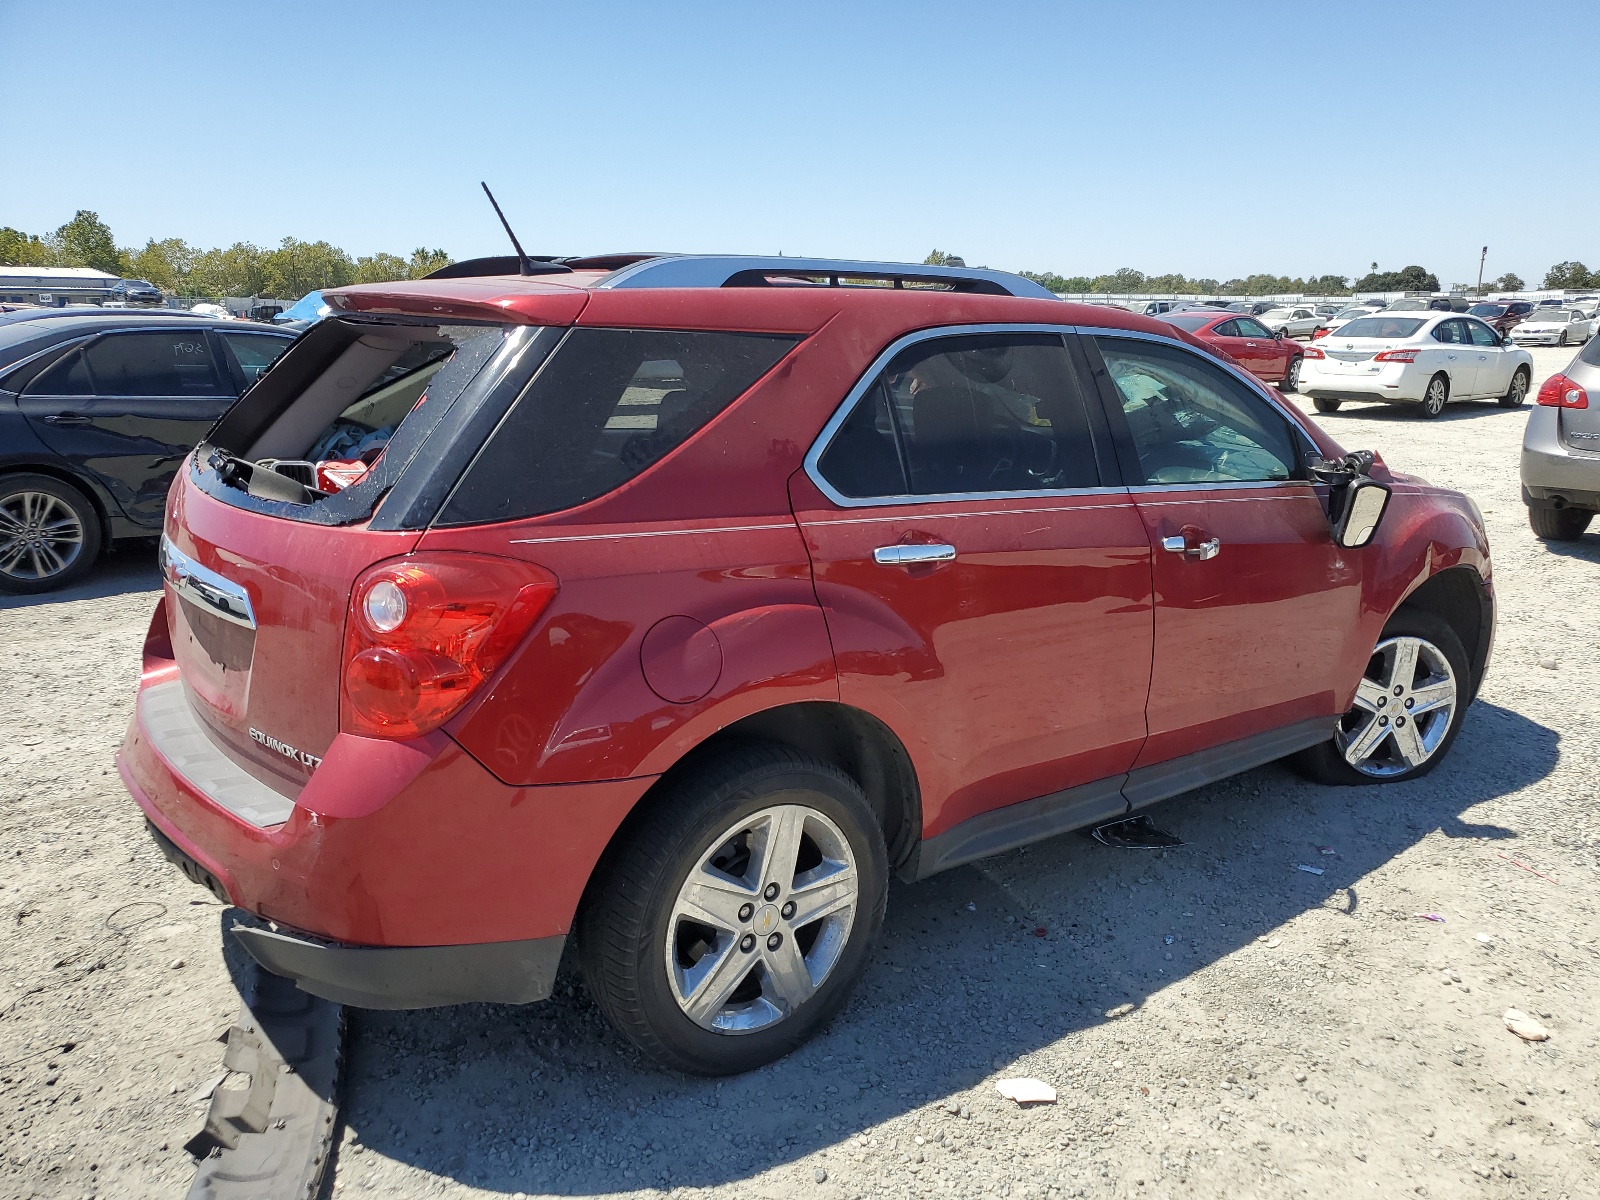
{"x": 668, "y": 606}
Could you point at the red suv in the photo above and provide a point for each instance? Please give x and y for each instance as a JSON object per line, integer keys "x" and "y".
{"x": 672, "y": 605}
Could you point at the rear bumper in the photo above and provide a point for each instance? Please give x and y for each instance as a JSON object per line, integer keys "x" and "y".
{"x": 445, "y": 857}
{"x": 1552, "y": 474}
{"x": 410, "y": 976}
{"x": 1394, "y": 382}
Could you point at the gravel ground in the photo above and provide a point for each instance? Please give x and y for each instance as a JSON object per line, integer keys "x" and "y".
{"x": 1290, "y": 1034}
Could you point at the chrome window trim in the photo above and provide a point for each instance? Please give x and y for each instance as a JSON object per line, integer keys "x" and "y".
{"x": 864, "y": 384}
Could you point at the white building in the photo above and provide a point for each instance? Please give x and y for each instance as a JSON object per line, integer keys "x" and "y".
{"x": 55, "y": 285}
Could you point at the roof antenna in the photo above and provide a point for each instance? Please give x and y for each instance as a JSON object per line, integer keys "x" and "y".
{"x": 522, "y": 258}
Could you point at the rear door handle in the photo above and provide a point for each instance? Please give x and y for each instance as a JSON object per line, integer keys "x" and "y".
{"x": 904, "y": 556}
{"x": 1176, "y": 544}
{"x": 66, "y": 418}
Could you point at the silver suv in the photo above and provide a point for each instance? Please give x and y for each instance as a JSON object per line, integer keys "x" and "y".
{"x": 1561, "y": 450}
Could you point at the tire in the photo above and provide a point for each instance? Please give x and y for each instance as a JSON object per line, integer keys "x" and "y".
{"x": 1518, "y": 395}
{"x": 646, "y": 961}
{"x": 1291, "y": 378}
{"x": 1561, "y": 340}
{"x": 1326, "y": 405}
{"x": 1437, "y": 395}
{"x": 1559, "y": 524}
{"x": 49, "y": 534}
{"x": 1366, "y": 749}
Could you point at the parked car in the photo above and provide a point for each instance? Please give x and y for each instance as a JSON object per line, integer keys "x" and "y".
{"x": 1421, "y": 358}
{"x": 1561, "y": 450}
{"x": 134, "y": 293}
{"x": 1154, "y": 308}
{"x": 303, "y": 313}
{"x": 1270, "y": 357}
{"x": 97, "y": 409}
{"x": 711, "y": 603}
{"x": 1295, "y": 321}
{"x": 1553, "y": 327}
{"x": 1345, "y": 315}
{"x": 1409, "y": 304}
{"x": 1501, "y": 315}
{"x": 207, "y": 309}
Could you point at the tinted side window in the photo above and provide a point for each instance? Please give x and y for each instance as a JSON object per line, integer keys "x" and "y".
{"x": 66, "y": 377}
{"x": 253, "y": 353}
{"x": 1451, "y": 333}
{"x": 1481, "y": 334}
{"x": 965, "y": 415}
{"x": 1227, "y": 329}
{"x": 1191, "y": 422}
{"x": 608, "y": 404}
{"x": 1249, "y": 327}
{"x": 174, "y": 362}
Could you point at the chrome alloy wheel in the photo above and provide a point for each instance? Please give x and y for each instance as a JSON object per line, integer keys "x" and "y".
{"x": 1403, "y": 709}
{"x": 762, "y": 919}
{"x": 40, "y": 536}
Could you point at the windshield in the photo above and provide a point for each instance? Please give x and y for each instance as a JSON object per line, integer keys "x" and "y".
{"x": 1275, "y": 313}
{"x": 1191, "y": 321}
{"x": 1351, "y": 314}
{"x": 1487, "y": 310}
{"x": 1408, "y": 306}
{"x": 1382, "y": 327}
{"x": 308, "y": 308}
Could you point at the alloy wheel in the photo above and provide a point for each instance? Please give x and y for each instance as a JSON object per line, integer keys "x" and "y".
{"x": 761, "y": 920}
{"x": 1433, "y": 402}
{"x": 1403, "y": 709}
{"x": 40, "y": 536}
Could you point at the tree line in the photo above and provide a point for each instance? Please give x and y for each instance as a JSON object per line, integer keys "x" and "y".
{"x": 287, "y": 271}
{"x": 1407, "y": 279}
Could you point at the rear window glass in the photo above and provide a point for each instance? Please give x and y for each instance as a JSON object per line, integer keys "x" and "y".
{"x": 1591, "y": 352}
{"x": 608, "y": 404}
{"x": 1382, "y": 327}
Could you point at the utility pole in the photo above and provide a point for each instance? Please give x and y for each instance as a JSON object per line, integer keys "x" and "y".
{"x": 1481, "y": 258}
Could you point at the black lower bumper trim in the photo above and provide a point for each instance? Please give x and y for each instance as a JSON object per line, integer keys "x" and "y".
{"x": 409, "y": 976}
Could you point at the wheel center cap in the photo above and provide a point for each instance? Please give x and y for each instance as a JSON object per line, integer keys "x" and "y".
{"x": 765, "y": 920}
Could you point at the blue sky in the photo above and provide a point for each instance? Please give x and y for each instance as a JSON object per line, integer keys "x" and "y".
{"x": 1197, "y": 137}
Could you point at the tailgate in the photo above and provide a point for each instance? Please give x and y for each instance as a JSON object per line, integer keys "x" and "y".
{"x": 256, "y": 610}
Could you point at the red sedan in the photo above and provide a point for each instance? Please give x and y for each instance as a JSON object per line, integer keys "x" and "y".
{"x": 1270, "y": 357}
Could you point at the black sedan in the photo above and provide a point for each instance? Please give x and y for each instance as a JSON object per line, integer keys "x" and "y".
{"x": 97, "y": 409}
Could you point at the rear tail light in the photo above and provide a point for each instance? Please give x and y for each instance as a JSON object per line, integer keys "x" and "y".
{"x": 1313, "y": 352}
{"x": 1396, "y": 356}
{"x": 425, "y": 633}
{"x": 1560, "y": 392}
{"x": 1321, "y": 333}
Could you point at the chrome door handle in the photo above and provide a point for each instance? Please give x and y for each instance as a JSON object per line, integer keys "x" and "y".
{"x": 905, "y": 556}
{"x": 1205, "y": 550}
{"x": 66, "y": 418}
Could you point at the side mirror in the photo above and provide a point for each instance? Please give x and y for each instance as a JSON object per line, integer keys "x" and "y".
{"x": 1365, "y": 501}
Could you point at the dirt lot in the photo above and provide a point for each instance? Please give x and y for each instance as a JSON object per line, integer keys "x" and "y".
{"x": 1291, "y": 1034}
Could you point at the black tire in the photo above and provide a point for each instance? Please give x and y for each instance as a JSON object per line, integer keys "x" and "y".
{"x": 1325, "y": 763}
{"x": 1291, "y": 378}
{"x": 1517, "y": 396}
{"x": 1561, "y": 339}
{"x": 1437, "y": 395}
{"x": 54, "y": 550}
{"x": 1326, "y": 405}
{"x": 627, "y": 917}
{"x": 1559, "y": 524}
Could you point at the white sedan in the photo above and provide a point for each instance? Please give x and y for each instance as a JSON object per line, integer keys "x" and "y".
{"x": 1553, "y": 327}
{"x": 1422, "y": 358}
{"x": 1345, "y": 315}
{"x": 1300, "y": 321}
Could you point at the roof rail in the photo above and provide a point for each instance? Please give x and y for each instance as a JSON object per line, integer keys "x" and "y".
{"x": 739, "y": 270}
{"x": 540, "y": 264}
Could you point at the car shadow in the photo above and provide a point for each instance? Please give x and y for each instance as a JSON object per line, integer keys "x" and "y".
{"x": 1587, "y": 547}
{"x": 1456, "y": 410}
{"x": 976, "y": 968}
{"x": 129, "y": 566}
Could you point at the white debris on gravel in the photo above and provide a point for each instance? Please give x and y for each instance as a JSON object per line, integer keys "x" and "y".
{"x": 893, "y": 1099}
